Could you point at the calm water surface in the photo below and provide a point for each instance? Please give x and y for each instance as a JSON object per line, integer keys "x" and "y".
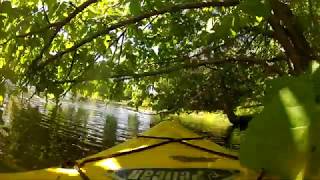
{"x": 37, "y": 134}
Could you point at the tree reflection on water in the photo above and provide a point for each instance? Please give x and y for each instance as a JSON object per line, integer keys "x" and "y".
{"x": 47, "y": 135}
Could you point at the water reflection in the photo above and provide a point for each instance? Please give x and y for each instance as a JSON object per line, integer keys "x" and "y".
{"x": 42, "y": 135}
{"x": 29, "y": 141}
{"x": 133, "y": 125}
{"x": 1, "y": 120}
{"x": 110, "y": 131}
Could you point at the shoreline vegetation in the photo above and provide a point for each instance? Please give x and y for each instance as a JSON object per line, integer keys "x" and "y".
{"x": 200, "y": 121}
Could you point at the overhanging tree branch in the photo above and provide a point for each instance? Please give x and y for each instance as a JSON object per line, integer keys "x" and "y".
{"x": 132, "y": 20}
{"x": 240, "y": 60}
{"x": 60, "y": 24}
{"x": 57, "y": 26}
{"x": 289, "y": 34}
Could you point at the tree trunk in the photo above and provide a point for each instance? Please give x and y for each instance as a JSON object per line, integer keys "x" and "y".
{"x": 228, "y": 110}
{"x": 288, "y": 33}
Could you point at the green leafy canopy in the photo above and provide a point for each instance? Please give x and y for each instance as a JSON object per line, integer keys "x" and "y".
{"x": 149, "y": 52}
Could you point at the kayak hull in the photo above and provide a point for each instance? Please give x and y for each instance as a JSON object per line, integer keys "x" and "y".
{"x": 166, "y": 151}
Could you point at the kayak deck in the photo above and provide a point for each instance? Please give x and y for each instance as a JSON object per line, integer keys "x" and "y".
{"x": 166, "y": 151}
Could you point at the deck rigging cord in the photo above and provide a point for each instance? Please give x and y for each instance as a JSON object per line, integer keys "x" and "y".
{"x": 184, "y": 141}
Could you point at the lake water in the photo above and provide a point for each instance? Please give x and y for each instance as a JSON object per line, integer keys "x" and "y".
{"x": 36, "y": 134}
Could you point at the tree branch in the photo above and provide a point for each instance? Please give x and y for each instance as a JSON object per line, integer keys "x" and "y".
{"x": 289, "y": 34}
{"x": 121, "y": 48}
{"x": 150, "y": 22}
{"x": 280, "y": 35}
{"x": 132, "y": 20}
{"x": 118, "y": 38}
{"x": 57, "y": 26}
{"x": 45, "y": 13}
{"x": 285, "y": 14}
{"x": 60, "y": 24}
{"x": 72, "y": 63}
{"x": 242, "y": 60}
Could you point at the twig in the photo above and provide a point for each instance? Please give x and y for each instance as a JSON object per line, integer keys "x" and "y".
{"x": 211, "y": 48}
{"x": 45, "y": 13}
{"x": 4, "y": 43}
{"x": 150, "y": 22}
{"x": 44, "y": 49}
{"x": 121, "y": 46}
{"x": 33, "y": 94}
{"x": 72, "y": 63}
{"x": 248, "y": 43}
{"x": 115, "y": 51}
{"x": 115, "y": 43}
{"x": 118, "y": 38}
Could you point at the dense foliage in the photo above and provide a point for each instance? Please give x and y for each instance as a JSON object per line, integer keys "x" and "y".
{"x": 171, "y": 55}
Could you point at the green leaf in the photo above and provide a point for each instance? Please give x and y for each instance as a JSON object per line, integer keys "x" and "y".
{"x": 315, "y": 71}
{"x": 225, "y": 29}
{"x": 52, "y": 6}
{"x": 255, "y": 8}
{"x": 2, "y": 62}
{"x": 259, "y": 19}
{"x": 135, "y": 7}
{"x": 5, "y": 7}
{"x": 295, "y": 84}
{"x": 233, "y": 33}
{"x": 210, "y": 24}
{"x": 278, "y": 139}
{"x": 106, "y": 41}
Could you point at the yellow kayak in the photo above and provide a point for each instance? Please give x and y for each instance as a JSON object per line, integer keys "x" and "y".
{"x": 167, "y": 151}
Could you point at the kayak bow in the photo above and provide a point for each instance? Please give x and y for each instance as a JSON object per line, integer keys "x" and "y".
{"x": 167, "y": 151}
